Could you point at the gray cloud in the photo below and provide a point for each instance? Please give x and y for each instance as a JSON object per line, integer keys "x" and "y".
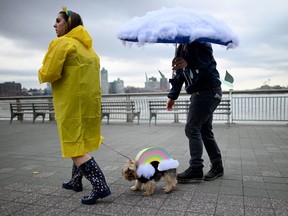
{"x": 23, "y": 73}
{"x": 261, "y": 27}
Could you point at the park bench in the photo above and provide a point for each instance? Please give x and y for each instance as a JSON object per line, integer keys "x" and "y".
{"x": 224, "y": 108}
{"x": 119, "y": 107}
{"x": 35, "y": 109}
{"x": 157, "y": 107}
{"x": 19, "y": 109}
{"x": 43, "y": 108}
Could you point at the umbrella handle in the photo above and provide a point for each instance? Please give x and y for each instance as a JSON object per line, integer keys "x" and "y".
{"x": 173, "y": 73}
{"x": 175, "y": 50}
{"x": 175, "y": 54}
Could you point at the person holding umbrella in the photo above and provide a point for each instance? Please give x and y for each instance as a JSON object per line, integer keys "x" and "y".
{"x": 195, "y": 66}
{"x": 73, "y": 68}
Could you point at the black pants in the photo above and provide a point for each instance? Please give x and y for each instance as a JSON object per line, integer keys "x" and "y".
{"x": 199, "y": 126}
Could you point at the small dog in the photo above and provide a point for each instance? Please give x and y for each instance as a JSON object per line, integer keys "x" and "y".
{"x": 151, "y": 172}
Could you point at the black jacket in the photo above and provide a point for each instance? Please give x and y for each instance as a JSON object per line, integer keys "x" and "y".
{"x": 200, "y": 74}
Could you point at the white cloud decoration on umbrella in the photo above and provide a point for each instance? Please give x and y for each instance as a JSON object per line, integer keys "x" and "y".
{"x": 177, "y": 25}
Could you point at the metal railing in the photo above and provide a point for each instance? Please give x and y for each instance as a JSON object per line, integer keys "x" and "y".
{"x": 261, "y": 105}
{"x": 260, "y": 108}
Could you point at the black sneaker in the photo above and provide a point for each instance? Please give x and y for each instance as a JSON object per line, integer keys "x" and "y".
{"x": 190, "y": 175}
{"x": 214, "y": 172}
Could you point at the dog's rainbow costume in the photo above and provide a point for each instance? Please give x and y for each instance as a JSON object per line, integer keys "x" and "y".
{"x": 153, "y": 159}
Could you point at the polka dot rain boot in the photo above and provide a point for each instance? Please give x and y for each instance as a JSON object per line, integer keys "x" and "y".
{"x": 93, "y": 173}
{"x": 76, "y": 181}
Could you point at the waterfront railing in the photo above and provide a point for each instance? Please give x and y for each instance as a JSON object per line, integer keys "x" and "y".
{"x": 268, "y": 105}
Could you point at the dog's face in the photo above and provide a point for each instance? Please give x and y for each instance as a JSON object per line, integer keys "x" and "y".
{"x": 129, "y": 170}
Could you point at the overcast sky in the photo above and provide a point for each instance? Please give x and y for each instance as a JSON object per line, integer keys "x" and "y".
{"x": 261, "y": 57}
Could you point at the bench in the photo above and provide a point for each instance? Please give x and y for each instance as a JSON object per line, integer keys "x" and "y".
{"x": 224, "y": 108}
{"x": 43, "y": 108}
{"x": 35, "y": 109}
{"x": 119, "y": 107}
{"x": 159, "y": 107}
{"x": 182, "y": 107}
{"x": 19, "y": 109}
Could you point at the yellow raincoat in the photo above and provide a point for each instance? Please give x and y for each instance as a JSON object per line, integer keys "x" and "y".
{"x": 72, "y": 66}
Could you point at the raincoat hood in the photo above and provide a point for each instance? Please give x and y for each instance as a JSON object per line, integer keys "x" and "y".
{"x": 81, "y": 34}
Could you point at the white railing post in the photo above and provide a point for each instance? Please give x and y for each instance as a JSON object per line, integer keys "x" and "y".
{"x": 231, "y": 106}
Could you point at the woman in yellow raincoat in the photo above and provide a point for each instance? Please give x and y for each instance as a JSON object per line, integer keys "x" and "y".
{"x": 72, "y": 66}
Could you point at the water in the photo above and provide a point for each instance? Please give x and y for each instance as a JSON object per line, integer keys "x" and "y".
{"x": 245, "y": 107}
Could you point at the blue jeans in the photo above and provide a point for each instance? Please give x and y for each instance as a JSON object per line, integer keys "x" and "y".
{"x": 198, "y": 128}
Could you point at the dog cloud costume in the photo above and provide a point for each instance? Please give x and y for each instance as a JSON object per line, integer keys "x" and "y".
{"x": 154, "y": 159}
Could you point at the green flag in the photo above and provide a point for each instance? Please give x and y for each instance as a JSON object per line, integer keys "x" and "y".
{"x": 228, "y": 77}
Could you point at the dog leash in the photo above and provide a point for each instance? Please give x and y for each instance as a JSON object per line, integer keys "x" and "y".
{"x": 116, "y": 151}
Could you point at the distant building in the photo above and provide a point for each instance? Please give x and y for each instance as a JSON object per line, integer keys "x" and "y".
{"x": 49, "y": 89}
{"x": 116, "y": 86}
{"x": 10, "y": 89}
{"x": 152, "y": 84}
{"x": 132, "y": 89}
{"x": 104, "y": 81}
{"x": 164, "y": 84}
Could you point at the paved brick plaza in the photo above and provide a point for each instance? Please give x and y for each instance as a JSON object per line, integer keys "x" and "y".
{"x": 255, "y": 180}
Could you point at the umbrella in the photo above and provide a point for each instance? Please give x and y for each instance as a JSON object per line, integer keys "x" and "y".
{"x": 177, "y": 25}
